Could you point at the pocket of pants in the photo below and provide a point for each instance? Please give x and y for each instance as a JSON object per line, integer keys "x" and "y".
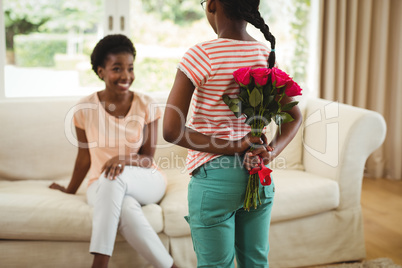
{"x": 268, "y": 190}
{"x": 218, "y": 207}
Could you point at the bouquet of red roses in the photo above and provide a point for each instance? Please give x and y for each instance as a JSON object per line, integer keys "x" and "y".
{"x": 261, "y": 91}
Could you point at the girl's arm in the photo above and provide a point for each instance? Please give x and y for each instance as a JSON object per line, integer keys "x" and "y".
{"x": 115, "y": 166}
{"x": 82, "y": 164}
{"x": 288, "y": 130}
{"x": 175, "y": 130}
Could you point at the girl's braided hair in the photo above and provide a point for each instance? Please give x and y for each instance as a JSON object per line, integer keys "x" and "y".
{"x": 110, "y": 44}
{"x": 248, "y": 11}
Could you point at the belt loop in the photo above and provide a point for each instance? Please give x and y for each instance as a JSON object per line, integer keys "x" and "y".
{"x": 200, "y": 172}
{"x": 203, "y": 171}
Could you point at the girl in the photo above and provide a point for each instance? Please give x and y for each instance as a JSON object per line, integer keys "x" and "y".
{"x": 221, "y": 229}
{"x": 116, "y": 131}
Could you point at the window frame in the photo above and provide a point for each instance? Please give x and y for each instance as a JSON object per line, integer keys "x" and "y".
{"x": 2, "y": 52}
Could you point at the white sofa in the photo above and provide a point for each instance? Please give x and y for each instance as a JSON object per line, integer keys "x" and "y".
{"x": 316, "y": 217}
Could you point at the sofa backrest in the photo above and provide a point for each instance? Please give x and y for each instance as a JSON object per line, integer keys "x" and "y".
{"x": 37, "y": 141}
{"x": 32, "y": 139}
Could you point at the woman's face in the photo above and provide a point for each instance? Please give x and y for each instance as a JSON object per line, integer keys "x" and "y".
{"x": 118, "y": 72}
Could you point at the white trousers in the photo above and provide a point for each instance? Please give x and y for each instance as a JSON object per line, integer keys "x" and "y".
{"x": 117, "y": 206}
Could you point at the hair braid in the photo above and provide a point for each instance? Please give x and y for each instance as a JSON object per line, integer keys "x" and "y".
{"x": 248, "y": 10}
{"x": 257, "y": 21}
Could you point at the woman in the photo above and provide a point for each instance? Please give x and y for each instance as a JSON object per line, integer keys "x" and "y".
{"x": 116, "y": 130}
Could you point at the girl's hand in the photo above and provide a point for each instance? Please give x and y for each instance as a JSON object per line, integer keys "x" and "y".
{"x": 261, "y": 150}
{"x": 247, "y": 141}
{"x": 56, "y": 186}
{"x": 113, "y": 167}
{"x": 252, "y": 158}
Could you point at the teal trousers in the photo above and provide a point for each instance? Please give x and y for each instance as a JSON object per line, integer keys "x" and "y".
{"x": 220, "y": 227}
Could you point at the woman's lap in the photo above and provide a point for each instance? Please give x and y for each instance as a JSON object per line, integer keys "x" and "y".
{"x": 145, "y": 185}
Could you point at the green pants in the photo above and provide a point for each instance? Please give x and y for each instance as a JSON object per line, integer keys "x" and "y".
{"x": 220, "y": 228}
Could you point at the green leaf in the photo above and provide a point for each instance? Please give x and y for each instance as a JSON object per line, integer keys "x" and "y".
{"x": 286, "y": 118}
{"x": 273, "y": 107}
{"x": 268, "y": 99}
{"x": 289, "y": 106}
{"x": 267, "y": 89}
{"x": 235, "y": 101}
{"x": 255, "y": 97}
{"x": 243, "y": 95}
{"x": 226, "y": 100}
{"x": 282, "y": 118}
{"x": 249, "y": 112}
{"x": 234, "y": 108}
{"x": 268, "y": 118}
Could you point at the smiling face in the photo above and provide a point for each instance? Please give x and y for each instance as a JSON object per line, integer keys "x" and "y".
{"x": 118, "y": 72}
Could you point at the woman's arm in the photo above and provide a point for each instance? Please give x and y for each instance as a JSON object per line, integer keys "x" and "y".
{"x": 81, "y": 167}
{"x": 175, "y": 130}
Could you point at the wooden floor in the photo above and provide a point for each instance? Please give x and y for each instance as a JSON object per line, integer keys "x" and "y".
{"x": 382, "y": 214}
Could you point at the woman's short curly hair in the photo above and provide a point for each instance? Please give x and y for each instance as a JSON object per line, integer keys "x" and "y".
{"x": 110, "y": 44}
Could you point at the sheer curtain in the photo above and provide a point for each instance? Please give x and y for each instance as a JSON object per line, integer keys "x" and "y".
{"x": 361, "y": 64}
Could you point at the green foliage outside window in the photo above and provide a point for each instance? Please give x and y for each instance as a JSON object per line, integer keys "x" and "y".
{"x": 299, "y": 25}
{"x": 38, "y": 50}
{"x": 154, "y": 23}
{"x": 178, "y": 11}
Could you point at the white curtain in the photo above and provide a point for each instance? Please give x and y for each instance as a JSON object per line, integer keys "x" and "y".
{"x": 360, "y": 61}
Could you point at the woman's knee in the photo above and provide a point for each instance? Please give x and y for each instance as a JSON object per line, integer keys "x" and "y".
{"x": 131, "y": 214}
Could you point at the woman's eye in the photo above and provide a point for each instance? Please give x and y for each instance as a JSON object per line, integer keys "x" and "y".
{"x": 116, "y": 69}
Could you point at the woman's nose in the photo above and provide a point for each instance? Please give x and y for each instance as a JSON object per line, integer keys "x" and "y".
{"x": 125, "y": 74}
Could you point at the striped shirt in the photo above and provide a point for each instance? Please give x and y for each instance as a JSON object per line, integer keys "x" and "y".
{"x": 210, "y": 66}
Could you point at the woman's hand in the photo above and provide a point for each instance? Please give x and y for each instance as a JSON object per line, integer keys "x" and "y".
{"x": 56, "y": 186}
{"x": 113, "y": 167}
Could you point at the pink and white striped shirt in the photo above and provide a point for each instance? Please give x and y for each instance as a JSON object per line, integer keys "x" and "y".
{"x": 210, "y": 66}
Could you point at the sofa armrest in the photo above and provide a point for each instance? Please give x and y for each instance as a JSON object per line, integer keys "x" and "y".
{"x": 337, "y": 141}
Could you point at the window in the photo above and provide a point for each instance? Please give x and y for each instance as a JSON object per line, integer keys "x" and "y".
{"x": 48, "y": 42}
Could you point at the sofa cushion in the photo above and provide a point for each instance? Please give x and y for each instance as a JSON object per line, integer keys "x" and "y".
{"x": 31, "y": 211}
{"x": 301, "y": 194}
{"x": 298, "y": 194}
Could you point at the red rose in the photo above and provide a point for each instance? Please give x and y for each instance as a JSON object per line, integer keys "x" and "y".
{"x": 279, "y": 77}
{"x": 242, "y": 76}
{"x": 292, "y": 89}
{"x": 260, "y": 76}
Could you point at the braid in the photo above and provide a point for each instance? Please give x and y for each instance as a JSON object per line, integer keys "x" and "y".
{"x": 257, "y": 21}
{"x": 248, "y": 10}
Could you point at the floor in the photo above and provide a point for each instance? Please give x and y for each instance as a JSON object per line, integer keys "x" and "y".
{"x": 382, "y": 214}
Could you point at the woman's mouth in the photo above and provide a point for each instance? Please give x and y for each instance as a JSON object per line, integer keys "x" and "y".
{"x": 124, "y": 85}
